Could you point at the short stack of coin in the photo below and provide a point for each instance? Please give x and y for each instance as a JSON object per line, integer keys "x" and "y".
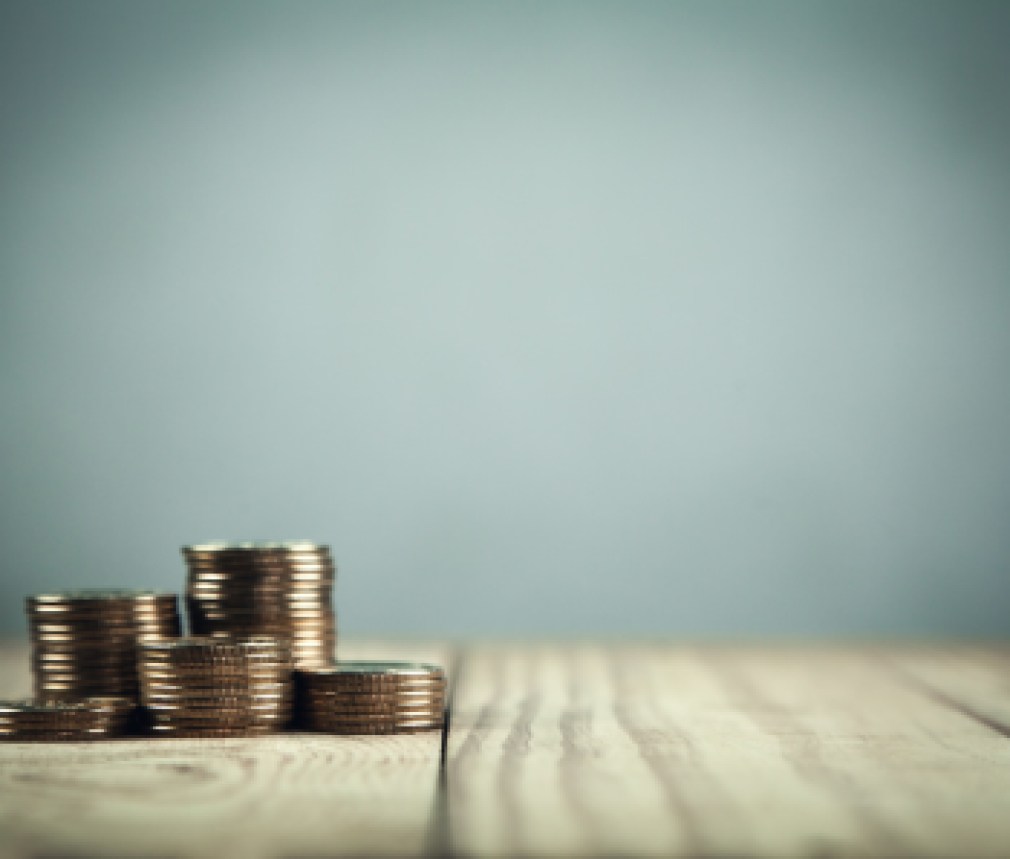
{"x": 87, "y": 719}
{"x": 371, "y": 698}
{"x": 84, "y": 643}
{"x": 213, "y": 687}
{"x": 277, "y": 589}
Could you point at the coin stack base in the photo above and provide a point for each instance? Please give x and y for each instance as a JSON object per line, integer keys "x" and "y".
{"x": 371, "y": 698}
{"x": 53, "y": 721}
{"x": 205, "y": 687}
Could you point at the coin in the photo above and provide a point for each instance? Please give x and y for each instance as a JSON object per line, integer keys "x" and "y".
{"x": 217, "y": 695}
{"x": 183, "y": 732}
{"x": 79, "y": 720}
{"x": 376, "y": 693}
{"x": 76, "y": 690}
{"x": 215, "y": 675}
{"x": 348, "y": 702}
{"x": 373, "y": 693}
{"x": 374, "y": 687}
{"x": 219, "y": 671}
{"x": 372, "y": 728}
{"x": 250, "y": 565}
{"x": 375, "y": 719}
{"x": 67, "y": 652}
{"x": 321, "y": 711}
{"x": 367, "y": 669}
{"x": 371, "y": 686}
{"x": 223, "y": 717}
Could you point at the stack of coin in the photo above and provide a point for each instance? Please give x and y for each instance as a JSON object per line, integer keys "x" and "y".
{"x": 202, "y": 686}
{"x": 84, "y": 643}
{"x": 87, "y": 719}
{"x": 278, "y": 589}
{"x": 371, "y": 698}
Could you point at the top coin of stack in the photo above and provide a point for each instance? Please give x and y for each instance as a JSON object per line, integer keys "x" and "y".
{"x": 84, "y": 643}
{"x": 372, "y": 697}
{"x": 277, "y": 589}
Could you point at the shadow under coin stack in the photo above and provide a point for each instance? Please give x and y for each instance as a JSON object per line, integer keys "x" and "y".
{"x": 207, "y": 687}
{"x": 372, "y": 697}
{"x": 88, "y": 719}
{"x": 84, "y": 643}
{"x": 278, "y": 589}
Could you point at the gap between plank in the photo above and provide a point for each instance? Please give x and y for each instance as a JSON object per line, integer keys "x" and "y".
{"x": 438, "y": 842}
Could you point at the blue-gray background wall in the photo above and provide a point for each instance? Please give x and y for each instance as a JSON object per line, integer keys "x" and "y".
{"x": 551, "y": 318}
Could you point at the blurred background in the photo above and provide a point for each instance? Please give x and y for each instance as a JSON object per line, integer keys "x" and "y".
{"x": 683, "y": 319}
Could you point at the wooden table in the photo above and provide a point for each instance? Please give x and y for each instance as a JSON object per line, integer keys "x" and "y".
{"x": 569, "y": 750}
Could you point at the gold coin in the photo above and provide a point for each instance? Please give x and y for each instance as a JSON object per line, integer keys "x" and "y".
{"x": 226, "y": 716}
{"x": 329, "y": 720}
{"x": 346, "y": 717}
{"x": 218, "y": 546}
{"x": 381, "y": 715}
{"x": 167, "y": 713}
{"x": 108, "y": 678}
{"x": 222, "y": 715}
{"x": 389, "y": 692}
{"x": 305, "y": 567}
{"x": 70, "y": 661}
{"x": 184, "y": 732}
{"x": 207, "y": 658}
{"x": 337, "y": 705}
{"x": 38, "y": 720}
{"x": 216, "y": 694}
{"x": 155, "y": 677}
{"x": 382, "y": 669}
{"x": 377, "y": 688}
{"x": 376, "y": 729}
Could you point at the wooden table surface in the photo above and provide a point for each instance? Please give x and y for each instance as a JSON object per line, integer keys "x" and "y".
{"x": 568, "y": 750}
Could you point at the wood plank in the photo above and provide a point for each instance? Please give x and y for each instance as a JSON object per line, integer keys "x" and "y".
{"x": 919, "y": 778}
{"x": 656, "y": 750}
{"x": 971, "y": 678}
{"x": 285, "y": 795}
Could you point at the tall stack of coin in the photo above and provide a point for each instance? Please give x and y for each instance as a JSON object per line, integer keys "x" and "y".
{"x": 201, "y": 686}
{"x": 278, "y": 589}
{"x": 87, "y": 719}
{"x": 371, "y": 698}
{"x": 84, "y": 643}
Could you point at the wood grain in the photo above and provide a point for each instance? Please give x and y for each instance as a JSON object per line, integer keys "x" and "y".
{"x": 566, "y": 750}
{"x": 656, "y": 750}
{"x": 287, "y": 795}
{"x": 972, "y": 679}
